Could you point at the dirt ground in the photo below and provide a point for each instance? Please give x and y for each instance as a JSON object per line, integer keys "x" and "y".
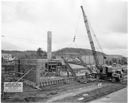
{"x": 34, "y": 95}
{"x": 73, "y": 92}
{"x": 90, "y": 93}
{"x": 116, "y": 97}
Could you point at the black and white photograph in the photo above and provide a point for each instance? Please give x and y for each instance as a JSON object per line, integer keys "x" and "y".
{"x": 64, "y": 51}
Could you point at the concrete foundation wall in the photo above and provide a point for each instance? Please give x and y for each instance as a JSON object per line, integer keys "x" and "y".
{"x": 32, "y": 75}
{"x": 38, "y": 66}
{"x": 88, "y": 59}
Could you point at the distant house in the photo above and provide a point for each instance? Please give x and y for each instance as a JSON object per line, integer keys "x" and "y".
{"x": 8, "y": 57}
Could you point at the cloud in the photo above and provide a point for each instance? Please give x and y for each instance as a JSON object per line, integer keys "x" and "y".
{"x": 114, "y": 40}
{"x": 107, "y": 16}
{"x": 8, "y": 12}
{"x": 27, "y": 23}
{"x": 8, "y": 46}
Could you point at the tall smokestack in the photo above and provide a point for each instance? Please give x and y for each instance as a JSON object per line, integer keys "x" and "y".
{"x": 49, "y": 45}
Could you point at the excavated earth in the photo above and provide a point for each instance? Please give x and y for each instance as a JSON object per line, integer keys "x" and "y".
{"x": 92, "y": 94}
{"x": 65, "y": 92}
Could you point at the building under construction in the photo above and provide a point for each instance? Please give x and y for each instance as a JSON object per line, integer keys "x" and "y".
{"x": 69, "y": 70}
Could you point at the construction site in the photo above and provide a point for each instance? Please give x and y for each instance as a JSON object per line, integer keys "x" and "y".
{"x": 67, "y": 78}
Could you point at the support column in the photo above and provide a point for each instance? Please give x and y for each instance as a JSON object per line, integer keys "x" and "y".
{"x": 38, "y": 69}
{"x": 49, "y": 45}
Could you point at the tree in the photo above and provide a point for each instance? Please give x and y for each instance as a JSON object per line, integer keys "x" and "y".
{"x": 39, "y": 53}
{"x": 44, "y": 54}
{"x": 123, "y": 60}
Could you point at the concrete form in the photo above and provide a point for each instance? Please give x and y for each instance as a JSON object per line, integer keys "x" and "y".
{"x": 36, "y": 77}
{"x": 38, "y": 66}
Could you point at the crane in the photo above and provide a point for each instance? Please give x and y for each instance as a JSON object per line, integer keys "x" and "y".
{"x": 101, "y": 72}
{"x": 113, "y": 76}
{"x": 90, "y": 39}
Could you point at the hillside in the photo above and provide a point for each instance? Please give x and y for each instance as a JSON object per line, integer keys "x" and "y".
{"x": 75, "y": 51}
{"x": 20, "y": 54}
{"x": 64, "y": 51}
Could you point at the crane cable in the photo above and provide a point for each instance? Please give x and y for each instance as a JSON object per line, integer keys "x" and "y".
{"x": 77, "y": 25}
{"x": 76, "y": 30}
{"x": 97, "y": 41}
{"x": 98, "y": 44}
{"x": 82, "y": 1}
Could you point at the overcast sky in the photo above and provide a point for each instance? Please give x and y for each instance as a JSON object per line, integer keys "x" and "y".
{"x": 25, "y": 24}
